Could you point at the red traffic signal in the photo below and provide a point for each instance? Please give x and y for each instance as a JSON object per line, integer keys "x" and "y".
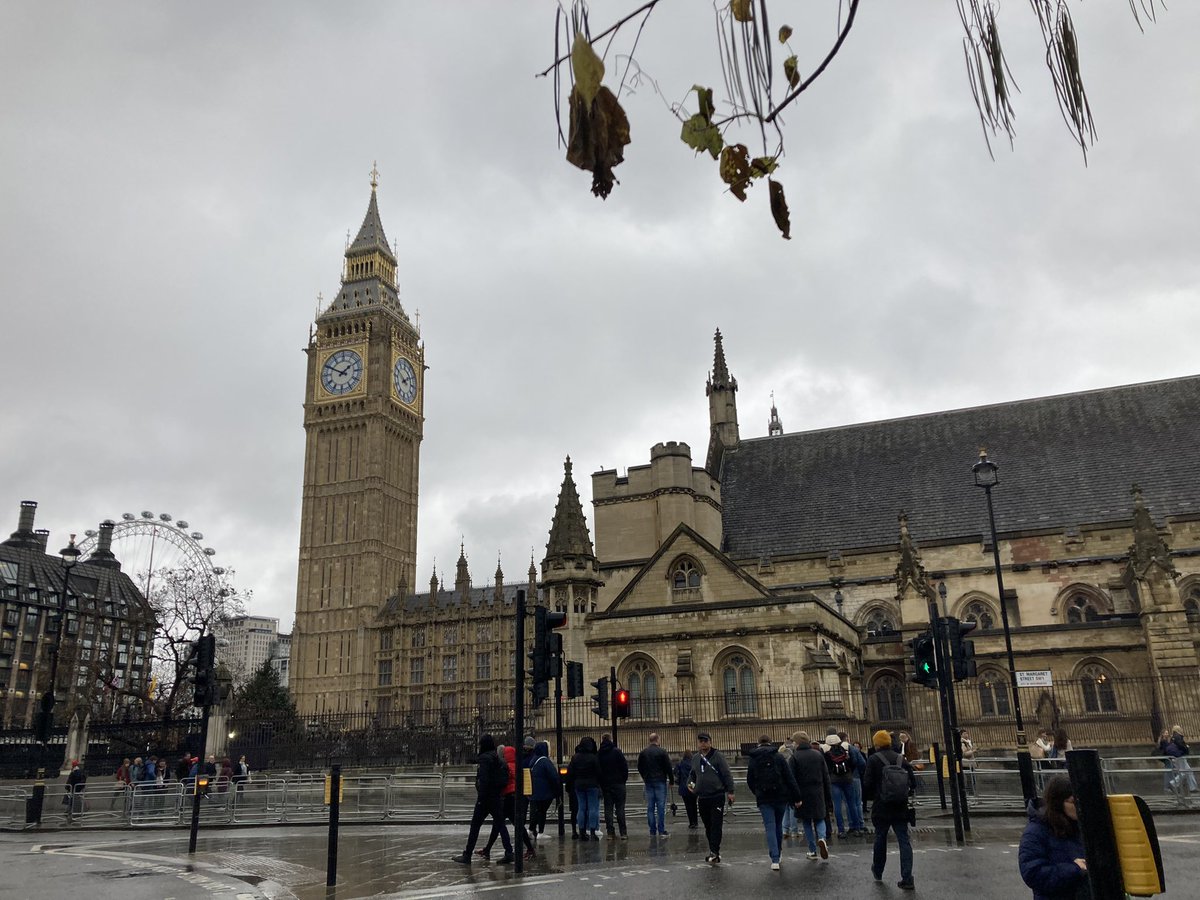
{"x": 621, "y": 704}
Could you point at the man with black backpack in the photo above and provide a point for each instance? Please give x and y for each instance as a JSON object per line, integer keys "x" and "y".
{"x": 890, "y": 782}
{"x": 841, "y": 783}
{"x": 770, "y": 779}
{"x": 491, "y": 778}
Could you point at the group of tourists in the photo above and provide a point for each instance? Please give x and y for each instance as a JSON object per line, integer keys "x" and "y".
{"x": 801, "y": 785}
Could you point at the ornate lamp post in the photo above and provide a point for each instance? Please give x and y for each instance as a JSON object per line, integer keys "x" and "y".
{"x": 70, "y": 556}
{"x": 987, "y": 477}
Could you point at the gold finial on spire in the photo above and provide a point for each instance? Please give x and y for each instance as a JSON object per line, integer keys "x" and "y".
{"x": 374, "y": 176}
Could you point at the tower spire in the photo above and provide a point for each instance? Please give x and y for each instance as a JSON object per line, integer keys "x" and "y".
{"x": 569, "y": 532}
{"x": 774, "y": 425}
{"x": 721, "y": 389}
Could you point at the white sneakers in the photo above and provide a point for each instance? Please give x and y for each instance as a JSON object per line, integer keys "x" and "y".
{"x": 774, "y": 867}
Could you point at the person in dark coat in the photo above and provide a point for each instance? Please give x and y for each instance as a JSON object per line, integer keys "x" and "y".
{"x": 1051, "y": 856}
{"x": 572, "y": 799}
{"x": 654, "y": 765}
{"x": 683, "y": 771}
{"x": 614, "y": 773}
{"x": 76, "y": 782}
{"x": 508, "y": 797}
{"x": 547, "y": 786}
{"x": 812, "y": 777}
{"x": 712, "y": 783}
{"x": 491, "y": 777}
{"x": 584, "y": 769}
{"x": 770, "y": 779}
{"x": 885, "y": 816}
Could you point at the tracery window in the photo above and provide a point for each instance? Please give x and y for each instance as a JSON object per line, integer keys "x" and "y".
{"x": 685, "y": 579}
{"x": 993, "y": 693}
{"x": 1081, "y": 608}
{"x": 1191, "y": 605}
{"x": 450, "y": 668}
{"x": 980, "y": 613}
{"x": 889, "y": 699}
{"x": 643, "y": 690}
{"x": 880, "y": 621}
{"x": 1099, "y": 692}
{"x": 418, "y": 637}
{"x": 737, "y": 680}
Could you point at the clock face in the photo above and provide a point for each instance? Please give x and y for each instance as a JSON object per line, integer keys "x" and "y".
{"x": 342, "y": 372}
{"x": 404, "y": 380}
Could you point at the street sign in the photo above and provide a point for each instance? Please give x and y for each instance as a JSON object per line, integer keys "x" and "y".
{"x": 1034, "y": 679}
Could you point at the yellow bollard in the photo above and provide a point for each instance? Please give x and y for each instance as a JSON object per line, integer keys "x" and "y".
{"x": 1137, "y": 845}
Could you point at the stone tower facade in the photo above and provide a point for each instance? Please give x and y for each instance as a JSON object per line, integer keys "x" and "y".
{"x": 363, "y": 421}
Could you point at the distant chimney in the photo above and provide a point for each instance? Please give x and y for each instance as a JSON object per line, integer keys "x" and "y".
{"x": 24, "y": 536}
{"x": 43, "y": 538}
{"x": 103, "y": 555}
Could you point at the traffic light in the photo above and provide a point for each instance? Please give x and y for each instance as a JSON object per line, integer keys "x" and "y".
{"x": 574, "y": 679}
{"x": 924, "y": 661}
{"x": 962, "y": 651}
{"x": 600, "y": 698}
{"x": 538, "y": 691}
{"x": 544, "y": 621}
{"x": 204, "y": 679}
{"x": 621, "y": 704}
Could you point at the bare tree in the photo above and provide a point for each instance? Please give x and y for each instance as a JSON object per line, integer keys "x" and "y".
{"x": 758, "y": 86}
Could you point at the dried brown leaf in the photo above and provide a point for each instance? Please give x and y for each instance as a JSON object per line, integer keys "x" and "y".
{"x": 790, "y": 72}
{"x": 743, "y": 10}
{"x": 785, "y": 32}
{"x": 598, "y": 134}
{"x": 779, "y": 209}
{"x": 735, "y": 169}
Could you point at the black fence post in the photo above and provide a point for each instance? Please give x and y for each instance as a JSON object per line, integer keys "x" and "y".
{"x": 335, "y": 806}
{"x": 1095, "y": 825}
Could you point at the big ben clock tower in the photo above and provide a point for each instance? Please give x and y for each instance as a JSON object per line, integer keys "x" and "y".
{"x": 363, "y": 422}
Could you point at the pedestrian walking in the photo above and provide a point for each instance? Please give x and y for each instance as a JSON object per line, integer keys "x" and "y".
{"x": 791, "y": 828}
{"x": 491, "y": 777}
{"x": 508, "y": 797}
{"x": 712, "y": 784}
{"x": 123, "y": 782}
{"x": 547, "y": 786}
{"x": 1183, "y": 780}
{"x": 241, "y": 774}
{"x": 841, "y": 784}
{"x": 572, "y": 798}
{"x": 889, "y": 782}
{"x": 584, "y": 768}
{"x": 614, "y": 775}
{"x": 858, "y": 764}
{"x": 683, "y": 773}
{"x": 654, "y": 765}
{"x": 967, "y": 751}
{"x": 769, "y": 778}
{"x": 1051, "y": 857}
{"x": 76, "y": 782}
{"x": 812, "y": 778}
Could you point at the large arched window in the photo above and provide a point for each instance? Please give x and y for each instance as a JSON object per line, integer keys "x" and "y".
{"x": 993, "y": 693}
{"x": 1099, "y": 692}
{"x": 1191, "y": 605}
{"x": 980, "y": 613}
{"x": 889, "y": 699}
{"x": 685, "y": 579}
{"x": 643, "y": 690}
{"x": 1081, "y": 608}
{"x": 737, "y": 686}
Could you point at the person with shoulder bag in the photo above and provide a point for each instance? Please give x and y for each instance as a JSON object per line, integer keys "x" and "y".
{"x": 889, "y": 781}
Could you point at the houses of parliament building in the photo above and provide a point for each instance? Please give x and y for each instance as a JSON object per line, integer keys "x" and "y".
{"x": 780, "y": 576}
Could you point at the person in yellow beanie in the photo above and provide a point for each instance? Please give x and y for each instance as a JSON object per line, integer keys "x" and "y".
{"x": 889, "y": 781}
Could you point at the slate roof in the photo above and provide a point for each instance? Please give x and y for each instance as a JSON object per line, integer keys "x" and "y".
{"x": 1064, "y": 461}
{"x": 370, "y": 233}
{"x": 568, "y": 531}
{"x": 363, "y": 292}
{"x": 39, "y": 580}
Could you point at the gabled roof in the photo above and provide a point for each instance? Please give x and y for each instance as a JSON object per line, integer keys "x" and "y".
{"x": 1064, "y": 461}
{"x": 682, "y": 534}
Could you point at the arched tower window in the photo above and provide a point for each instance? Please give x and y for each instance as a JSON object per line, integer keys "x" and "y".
{"x": 1191, "y": 605}
{"x": 738, "y": 687}
{"x": 642, "y": 679}
{"x": 685, "y": 580}
{"x": 889, "y": 699}
{"x": 1082, "y": 608}
{"x": 980, "y": 613}
{"x": 993, "y": 693}
{"x": 1099, "y": 692}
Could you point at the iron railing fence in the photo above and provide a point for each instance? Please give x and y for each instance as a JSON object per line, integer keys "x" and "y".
{"x": 1107, "y": 713}
{"x": 447, "y": 794}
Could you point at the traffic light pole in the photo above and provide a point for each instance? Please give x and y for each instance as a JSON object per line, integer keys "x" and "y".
{"x": 518, "y": 731}
{"x": 945, "y": 679}
{"x": 558, "y": 741}
{"x": 196, "y": 781}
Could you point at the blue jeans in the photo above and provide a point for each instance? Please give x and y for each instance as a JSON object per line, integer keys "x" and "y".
{"x": 809, "y": 827}
{"x": 856, "y": 805}
{"x": 588, "y": 818}
{"x": 789, "y": 820}
{"x": 772, "y": 814}
{"x": 656, "y": 806}
{"x": 879, "y": 860}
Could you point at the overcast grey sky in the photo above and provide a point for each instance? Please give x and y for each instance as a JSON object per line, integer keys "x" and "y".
{"x": 177, "y": 180}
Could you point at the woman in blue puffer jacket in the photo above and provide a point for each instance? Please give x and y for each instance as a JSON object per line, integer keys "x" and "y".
{"x": 1051, "y": 856}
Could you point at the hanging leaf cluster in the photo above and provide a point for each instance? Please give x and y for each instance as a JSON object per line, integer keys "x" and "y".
{"x": 599, "y": 129}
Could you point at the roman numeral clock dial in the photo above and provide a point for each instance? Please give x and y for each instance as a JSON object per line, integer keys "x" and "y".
{"x": 404, "y": 381}
{"x": 341, "y": 372}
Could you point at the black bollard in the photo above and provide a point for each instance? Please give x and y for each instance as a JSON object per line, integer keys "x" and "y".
{"x": 335, "y": 805}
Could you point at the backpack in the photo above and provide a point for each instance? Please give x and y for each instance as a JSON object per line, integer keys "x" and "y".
{"x": 768, "y": 780}
{"x": 499, "y": 779}
{"x": 839, "y": 761}
{"x": 893, "y": 783}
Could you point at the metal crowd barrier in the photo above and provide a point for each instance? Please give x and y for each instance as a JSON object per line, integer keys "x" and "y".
{"x": 993, "y": 785}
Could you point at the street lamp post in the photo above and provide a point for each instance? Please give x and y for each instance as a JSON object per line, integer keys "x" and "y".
{"x": 987, "y": 477}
